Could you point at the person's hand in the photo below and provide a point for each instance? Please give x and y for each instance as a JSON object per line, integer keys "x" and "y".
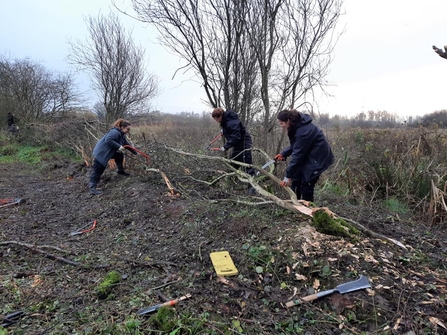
{"x": 279, "y": 157}
{"x": 285, "y": 182}
{"x": 121, "y": 149}
{"x": 222, "y": 149}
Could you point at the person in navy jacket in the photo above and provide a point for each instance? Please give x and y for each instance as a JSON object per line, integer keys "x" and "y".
{"x": 111, "y": 145}
{"x": 237, "y": 137}
{"x": 309, "y": 151}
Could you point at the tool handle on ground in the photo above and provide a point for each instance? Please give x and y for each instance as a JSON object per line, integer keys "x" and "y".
{"x": 308, "y": 298}
{"x": 167, "y": 303}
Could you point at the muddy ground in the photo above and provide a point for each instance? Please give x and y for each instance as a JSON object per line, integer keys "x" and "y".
{"x": 160, "y": 245}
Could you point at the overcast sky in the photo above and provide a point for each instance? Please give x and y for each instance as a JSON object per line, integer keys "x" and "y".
{"x": 383, "y": 61}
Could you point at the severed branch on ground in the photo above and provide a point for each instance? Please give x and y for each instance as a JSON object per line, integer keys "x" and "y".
{"x": 293, "y": 204}
{"x": 38, "y": 249}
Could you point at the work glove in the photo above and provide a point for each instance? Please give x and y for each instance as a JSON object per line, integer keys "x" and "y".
{"x": 121, "y": 149}
{"x": 279, "y": 157}
{"x": 222, "y": 149}
{"x": 285, "y": 182}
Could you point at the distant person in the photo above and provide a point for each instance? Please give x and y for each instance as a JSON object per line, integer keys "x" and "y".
{"x": 309, "y": 150}
{"x": 12, "y": 127}
{"x": 111, "y": 145}
{"x": 237, "y": 137}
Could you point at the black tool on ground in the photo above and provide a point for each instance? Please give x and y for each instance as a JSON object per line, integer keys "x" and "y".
{"x": 11, "y": 318}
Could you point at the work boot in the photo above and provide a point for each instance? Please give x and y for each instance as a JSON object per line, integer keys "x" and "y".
{"x": 123, "y": 173}
{"x": 94, "y": 191}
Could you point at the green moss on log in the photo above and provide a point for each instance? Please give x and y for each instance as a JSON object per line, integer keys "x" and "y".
{"x": 327, "y": 224}
{"x": 164, "y": 320}
{"x": 105, "y": 287}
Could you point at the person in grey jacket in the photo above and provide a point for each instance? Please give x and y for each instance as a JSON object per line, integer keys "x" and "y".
{"x": 309, "y": 150}
{"x": 111, "y": 145}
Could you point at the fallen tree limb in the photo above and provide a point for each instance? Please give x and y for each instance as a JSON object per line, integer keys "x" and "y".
{"x": 51, "y": 256}
{"x": 148, "y": 264}
{"x": 293, "y": 204}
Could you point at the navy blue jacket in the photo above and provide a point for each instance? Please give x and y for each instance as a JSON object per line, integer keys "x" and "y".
{"x": 107, "y": 146}
{"x": 234, "y": 132}
{"x": 310, "y": 152}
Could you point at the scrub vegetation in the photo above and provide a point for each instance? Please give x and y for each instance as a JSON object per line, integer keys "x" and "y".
{"x": 156, "y": 243}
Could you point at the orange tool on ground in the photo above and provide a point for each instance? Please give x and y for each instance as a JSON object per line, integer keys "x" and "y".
{"x": 82, "y": 230}
{"x": 167, "y": 303}
{"x": 10, "y": 202}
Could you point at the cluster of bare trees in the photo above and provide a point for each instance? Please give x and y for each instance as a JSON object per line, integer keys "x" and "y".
{"x": 254, "y": 56}
{"x": 116, "y": 66}
{"x": 31, "y": 91}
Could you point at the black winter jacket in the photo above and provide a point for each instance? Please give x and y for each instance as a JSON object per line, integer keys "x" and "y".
{"x": 234, "y": 132}
{"x": 309, "y": 149}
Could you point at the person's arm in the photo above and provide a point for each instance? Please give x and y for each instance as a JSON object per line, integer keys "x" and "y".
{"x": 287, "y": 151}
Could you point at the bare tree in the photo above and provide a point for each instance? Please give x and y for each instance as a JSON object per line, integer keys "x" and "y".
{"x": 31, "y": 91}
{"x": 116, "y": 66}
{"x": 211, "y": 37}
{"x": 248, "y": 54}
{"x": 440, "y": 52}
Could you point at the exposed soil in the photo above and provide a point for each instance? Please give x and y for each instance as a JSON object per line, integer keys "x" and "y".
{"x": 160, "y": 244}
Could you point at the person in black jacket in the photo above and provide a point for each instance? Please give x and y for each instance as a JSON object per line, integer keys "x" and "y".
{"x": 309, "y": 150}
{"x": 237, "y": 137}
{"x": 111, "y": 145}
{"x": 12, "y": 127}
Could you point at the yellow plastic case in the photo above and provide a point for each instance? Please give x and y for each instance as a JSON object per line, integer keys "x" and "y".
{"x": 223, "y": 264}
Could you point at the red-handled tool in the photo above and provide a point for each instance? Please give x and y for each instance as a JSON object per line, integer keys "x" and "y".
{"x": 214, "y": 140}
{"x": 167, "y": 303}
{"x": 140, "y": 153}
{"x": 82, "y": 230}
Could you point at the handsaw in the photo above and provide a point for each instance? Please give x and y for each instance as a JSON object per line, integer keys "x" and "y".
{"x": 355, "y": 285}
{"x": 266, "y": 165}
{"x": 167, "y": 303}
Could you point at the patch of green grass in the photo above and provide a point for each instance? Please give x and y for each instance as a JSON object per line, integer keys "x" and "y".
{"x": 396, "y": 206}
{"x": 333, "y": 188}
{"x": 31, "y": 155}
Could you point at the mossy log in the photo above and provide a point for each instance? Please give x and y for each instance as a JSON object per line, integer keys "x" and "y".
{"x": 105, "y": 287}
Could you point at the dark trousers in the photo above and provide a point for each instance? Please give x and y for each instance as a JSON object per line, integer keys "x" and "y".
{"x": 98, "y": 169}
{"x": 242, "y": 156}
{"x": 303, "y": 190}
